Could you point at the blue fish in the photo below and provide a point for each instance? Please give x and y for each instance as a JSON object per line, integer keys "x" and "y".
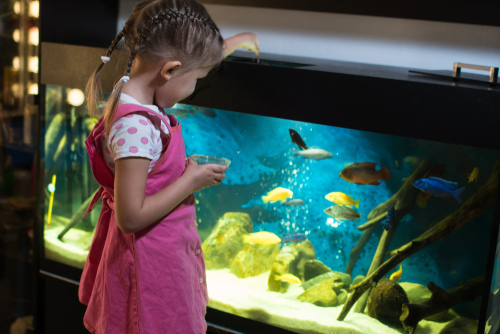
{"x": 391, "y": 217}
{"x": 293, "y": 237}
{"x": 440, "y": 188}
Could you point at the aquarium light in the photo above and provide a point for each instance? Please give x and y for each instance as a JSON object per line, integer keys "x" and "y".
{"x": 33, "y": 64}
{"x": 33, "y": 36}
{"x": 15, "y": 63}
{"x": 33, "y": 89}
{"x": 52, "y": 189}
{"x": 34, "y": 8}
{"x": 76, "y": 97}
{"x": 16, "y": 35}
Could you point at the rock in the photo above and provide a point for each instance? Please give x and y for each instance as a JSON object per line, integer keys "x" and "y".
{"x": 313, "y": 268}
{"x": 385, "y": 303}
{"x": 323, "y": 294}
{"x": 291, "y": 260}
{"x": 346, "y": 278}
{"x": 280, "y": 267}
{"x": 253, "y": 260}
{"x": 305, "y": 253}
{"x": 461, "y": 326}
{"x": 320, "y": 278}
{"x": 357, "y": 280}
{"x": 225, "y": 241}
{"x": 418, "y": 293}
{"x": 342, "y": 297}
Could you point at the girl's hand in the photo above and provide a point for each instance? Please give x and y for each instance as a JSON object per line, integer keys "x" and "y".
{"x": 202, "y": 176}
{"x": 246, "y": 40}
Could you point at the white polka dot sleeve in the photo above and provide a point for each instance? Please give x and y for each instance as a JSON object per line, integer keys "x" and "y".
{"x": 133, "y": 136}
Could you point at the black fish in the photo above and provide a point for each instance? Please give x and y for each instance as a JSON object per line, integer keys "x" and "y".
{"x": 297, "y": 140}
{"x": 391, "y": 217}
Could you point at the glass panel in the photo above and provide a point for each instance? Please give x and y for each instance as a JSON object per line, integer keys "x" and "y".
{"x": 316, "y": 191}
{"x": 323, "y": 196}
{"x": 18, "y": 72}
{"x": 493, "y": 314}
{"x": 69, "y": 183}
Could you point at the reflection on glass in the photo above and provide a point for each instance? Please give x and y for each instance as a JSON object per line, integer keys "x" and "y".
{"x": 69, "y": 181}
{"x": 283, "y": 234}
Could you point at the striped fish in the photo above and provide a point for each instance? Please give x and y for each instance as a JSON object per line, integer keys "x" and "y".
{"x": 391, "y": 217}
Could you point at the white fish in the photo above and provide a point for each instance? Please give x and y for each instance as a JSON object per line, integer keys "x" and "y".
{"x": 315, "y": 153}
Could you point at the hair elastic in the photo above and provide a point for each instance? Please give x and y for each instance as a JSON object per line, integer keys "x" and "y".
{"x": 125, "y": 78}
{"x": 105, "y": 59}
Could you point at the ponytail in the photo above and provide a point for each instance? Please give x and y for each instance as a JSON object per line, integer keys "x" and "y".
{"x": 112, "y": 105}
{"x": 93, "y": 91}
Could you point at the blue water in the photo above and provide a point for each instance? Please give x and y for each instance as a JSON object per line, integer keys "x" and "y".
{"x": 260, "y": 150}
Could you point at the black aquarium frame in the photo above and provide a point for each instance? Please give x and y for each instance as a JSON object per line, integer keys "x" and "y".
{"x": 483, "y": 12}
{"x": 381, "y": 99}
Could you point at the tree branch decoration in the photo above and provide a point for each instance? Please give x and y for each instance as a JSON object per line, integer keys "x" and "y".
{"x": 440, "y": 301}
{"x": 471, "y": 209}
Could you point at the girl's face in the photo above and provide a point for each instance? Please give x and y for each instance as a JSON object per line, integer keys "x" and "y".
{"x": 180, "y": 85}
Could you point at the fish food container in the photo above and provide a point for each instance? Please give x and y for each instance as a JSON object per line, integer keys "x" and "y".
{"x": 207, "y": 159}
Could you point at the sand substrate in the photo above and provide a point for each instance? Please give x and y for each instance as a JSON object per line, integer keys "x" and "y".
{"x": 250, "y": 298}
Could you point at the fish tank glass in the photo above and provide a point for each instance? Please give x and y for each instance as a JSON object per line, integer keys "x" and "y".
{"x": 305, "y": 217}
{"x": 493, "y": 313}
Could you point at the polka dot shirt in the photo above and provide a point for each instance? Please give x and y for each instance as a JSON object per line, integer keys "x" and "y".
{"x": 133, "y": 136}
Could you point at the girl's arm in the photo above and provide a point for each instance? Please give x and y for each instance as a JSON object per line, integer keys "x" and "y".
{"x": 246, "y": 40}
{"x": 134, "y": 211}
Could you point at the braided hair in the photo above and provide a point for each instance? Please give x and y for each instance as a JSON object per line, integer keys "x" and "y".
{"x": 161, "y": 29}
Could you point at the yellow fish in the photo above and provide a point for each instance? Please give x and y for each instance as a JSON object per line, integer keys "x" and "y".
{"x": 262, "y": 238}
{"x": 396, "y": 163}
{"x": 396, "y": 276}
{"x": 473, "y": 175}
{"x": 289, "y": 278}
{"x": 342, "y": 199}
{"x": 277, "y": 194}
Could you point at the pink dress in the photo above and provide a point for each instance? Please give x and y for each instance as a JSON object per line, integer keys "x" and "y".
{"x": 152, "y": 281}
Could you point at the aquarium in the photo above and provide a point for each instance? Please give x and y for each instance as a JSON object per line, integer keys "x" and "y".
{"x": 307, "y": 216}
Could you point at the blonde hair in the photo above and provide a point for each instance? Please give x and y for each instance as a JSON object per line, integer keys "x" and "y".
{"x": 160, "y": 29}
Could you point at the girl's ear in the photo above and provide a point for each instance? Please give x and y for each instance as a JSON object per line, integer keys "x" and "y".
{"x": 169, "y": 68}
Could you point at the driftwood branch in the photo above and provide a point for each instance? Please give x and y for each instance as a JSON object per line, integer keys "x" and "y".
{"x": 440, "y": 301}
{"x": 77, "y": 217}
{"x": 471, "y": 209}
{"x": 403, "y": 202}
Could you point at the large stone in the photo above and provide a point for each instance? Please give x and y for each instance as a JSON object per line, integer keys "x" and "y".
{"x": 357, "y": 280}
{"x": 418, "y": 293}
{"x": 291, "y": 260}
{"x": 346, "y": 278}
{"x": 225, "y": 242}
{"x": 342, "y": 297}
{"x": 313, "y": 268}
{"x": 321, "y": 278}
{"x": 281, "y": 266}
{"x": 253, "y": 260}
{"x": 305, "y": 253}
{"x": 323, "y": 294}
{"x": 385, "y": 303}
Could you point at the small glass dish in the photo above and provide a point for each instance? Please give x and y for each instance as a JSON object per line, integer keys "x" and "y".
{"x": 207, "y": 159}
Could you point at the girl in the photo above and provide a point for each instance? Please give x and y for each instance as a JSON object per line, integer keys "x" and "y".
{"x": 145, "y": 271}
